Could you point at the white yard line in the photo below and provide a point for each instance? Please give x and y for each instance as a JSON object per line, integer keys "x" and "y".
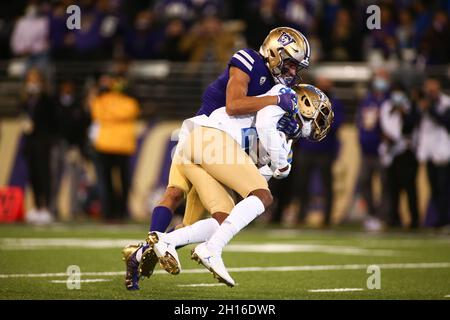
{"x": 319, "y": 248}
{"x": 62, "y": 274}
{"x": 422, "y": 265}
{"x": 82, "y": 281}
{"x": 201, "y": 285}
{"x": 336, "y": 290}
{"x": 43, "y": 243}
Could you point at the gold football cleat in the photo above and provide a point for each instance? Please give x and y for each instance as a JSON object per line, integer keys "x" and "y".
{"x": 148, "y": 263}
{"x": 128, "y": 251}
{"x": 131, "y": 277}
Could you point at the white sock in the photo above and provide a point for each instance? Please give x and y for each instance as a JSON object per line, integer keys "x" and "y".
{"x": 139, "y": 254}
{"x": 140, "y": 251}
{"x": 200, "y": 231}
{"x": 241, "y": 215}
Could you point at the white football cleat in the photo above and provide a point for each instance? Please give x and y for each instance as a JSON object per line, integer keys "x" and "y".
{"x": 165, "y": 251}
{"x": 212, "y": 262}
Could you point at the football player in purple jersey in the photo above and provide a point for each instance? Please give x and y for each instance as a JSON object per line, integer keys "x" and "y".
{"x": 282, "y": 56}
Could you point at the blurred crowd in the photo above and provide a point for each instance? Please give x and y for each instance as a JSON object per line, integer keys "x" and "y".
{"x": 64, "y": 131}
{"x": 413, "y": 31}
{"x": 398, "y": 128}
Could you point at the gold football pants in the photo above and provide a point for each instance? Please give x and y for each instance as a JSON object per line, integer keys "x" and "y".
{"x": 207, "y": 166}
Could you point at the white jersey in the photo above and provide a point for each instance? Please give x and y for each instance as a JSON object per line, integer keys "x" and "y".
{"x": 247, "y": 130}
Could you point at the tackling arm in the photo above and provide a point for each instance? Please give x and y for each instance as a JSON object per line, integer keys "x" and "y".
{"x": 272, "y": 140}
{"x": 237, "y": 102}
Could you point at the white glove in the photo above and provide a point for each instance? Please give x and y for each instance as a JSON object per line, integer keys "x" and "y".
{"x": 266, "y": 172}
{"x": 278, "y": 174}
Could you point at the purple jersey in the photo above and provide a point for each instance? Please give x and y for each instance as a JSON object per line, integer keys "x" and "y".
{"x": 249, "y": 61}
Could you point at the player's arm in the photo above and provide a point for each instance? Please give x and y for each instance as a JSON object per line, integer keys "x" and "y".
{"x": 272, "y": 140}
{"x": 237, "y": 101}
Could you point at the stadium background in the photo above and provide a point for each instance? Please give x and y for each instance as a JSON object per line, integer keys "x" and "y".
{"x": 168, "y": 82}
{"x": 138, "y": 40}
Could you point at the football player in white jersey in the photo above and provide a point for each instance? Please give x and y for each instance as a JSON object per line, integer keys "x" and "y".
{"x": 282, "y": 57}
{"x": 211, "y": 157}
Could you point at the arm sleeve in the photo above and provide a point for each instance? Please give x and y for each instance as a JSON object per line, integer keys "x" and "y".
{"x": 243, "y": 61}
{"x": 270, "y": 138}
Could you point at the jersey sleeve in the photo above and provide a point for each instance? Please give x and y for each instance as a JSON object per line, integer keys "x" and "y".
{"x": 243, "y": 60}
{"x": 273, "y": 141}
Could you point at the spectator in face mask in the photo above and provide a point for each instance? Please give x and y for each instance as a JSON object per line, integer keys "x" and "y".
{"x": 73, "y": 122}
{"x": 368, "y": 123}
{"x": 434, "y": 146}
{"x": 398, "y": 119}
{"x": 39, "y": 127}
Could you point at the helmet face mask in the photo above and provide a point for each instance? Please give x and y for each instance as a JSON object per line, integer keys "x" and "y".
{"x": 287, "y": 77}
{"x": 283, "y": 47}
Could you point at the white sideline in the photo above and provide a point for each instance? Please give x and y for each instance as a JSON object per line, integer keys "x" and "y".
{"x": 336, "y": 290}
{"x": 420, "y": 265}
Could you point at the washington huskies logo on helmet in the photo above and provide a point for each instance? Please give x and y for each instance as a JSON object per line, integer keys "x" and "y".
{"x": 285, "y": 39}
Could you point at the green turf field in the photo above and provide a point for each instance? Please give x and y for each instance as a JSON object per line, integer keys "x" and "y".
{"x": 266, "y": 264}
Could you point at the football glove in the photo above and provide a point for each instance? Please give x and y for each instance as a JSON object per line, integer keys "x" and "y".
{"x": 281, "y": 173}
{"x": 290, "y": 127}
{"x": 288, "y": 101}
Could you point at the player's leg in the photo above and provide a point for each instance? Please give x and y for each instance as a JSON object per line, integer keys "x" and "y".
{"x": 214, "y": 198}
{"x": 209, "y": 253}
{"x": 241, "y": 175}
{"x": 173, "y": 196}
{"x": 140, "y": 260}
{"x": 178, "y": 186}
{"x": 194, "y": 210}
